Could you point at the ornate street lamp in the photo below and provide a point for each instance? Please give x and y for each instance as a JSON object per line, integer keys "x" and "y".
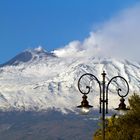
{"x": 103, "y": 89}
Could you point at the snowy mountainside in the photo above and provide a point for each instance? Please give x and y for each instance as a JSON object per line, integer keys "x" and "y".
{"x": 29, "y": 55}
{"x": 38, "y": 80}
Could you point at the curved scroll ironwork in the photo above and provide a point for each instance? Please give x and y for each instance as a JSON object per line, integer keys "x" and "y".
{"x": 119, "y": 89}
{"x": 88, "y": 87}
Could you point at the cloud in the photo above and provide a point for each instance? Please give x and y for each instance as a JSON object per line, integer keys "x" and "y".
{"x": 117, "y": 37}
{"x": 79, "y": 49}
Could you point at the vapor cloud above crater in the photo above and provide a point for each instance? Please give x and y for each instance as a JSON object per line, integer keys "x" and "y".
{"x": 118, "y": 37}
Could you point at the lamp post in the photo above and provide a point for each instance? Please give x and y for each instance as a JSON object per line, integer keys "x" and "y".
{"x": 103, "y": 100}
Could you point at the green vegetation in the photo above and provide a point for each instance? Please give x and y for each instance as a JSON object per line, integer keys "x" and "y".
{"x": 126, "y": 127}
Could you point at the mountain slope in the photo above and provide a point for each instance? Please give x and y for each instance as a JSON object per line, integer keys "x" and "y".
{"x": 29, "y": 56}
{"x": 37, "y": 80}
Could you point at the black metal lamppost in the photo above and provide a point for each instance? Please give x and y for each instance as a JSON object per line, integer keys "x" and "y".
{"x": 103, "y": 100}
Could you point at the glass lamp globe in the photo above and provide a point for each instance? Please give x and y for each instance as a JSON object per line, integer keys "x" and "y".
{"x": 122, "y": 110}
{"x": 85, "y": 107}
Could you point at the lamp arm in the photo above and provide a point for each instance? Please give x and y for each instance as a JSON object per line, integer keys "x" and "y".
{"x": 118, "y": 90}
{"x": 88, "y": 86}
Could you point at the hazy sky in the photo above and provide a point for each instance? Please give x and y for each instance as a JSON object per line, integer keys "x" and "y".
{"x": 101, "y": 26}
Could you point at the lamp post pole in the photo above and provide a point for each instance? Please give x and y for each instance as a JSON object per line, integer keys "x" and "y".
{"x": 103, "y": 108}
{"x": 103, "y": 100}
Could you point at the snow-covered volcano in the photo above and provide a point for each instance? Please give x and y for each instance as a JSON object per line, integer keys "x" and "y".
{"x": 38, "y": 80}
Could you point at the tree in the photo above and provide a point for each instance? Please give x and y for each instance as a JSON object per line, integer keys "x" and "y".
{"x": 126, "y": 127}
